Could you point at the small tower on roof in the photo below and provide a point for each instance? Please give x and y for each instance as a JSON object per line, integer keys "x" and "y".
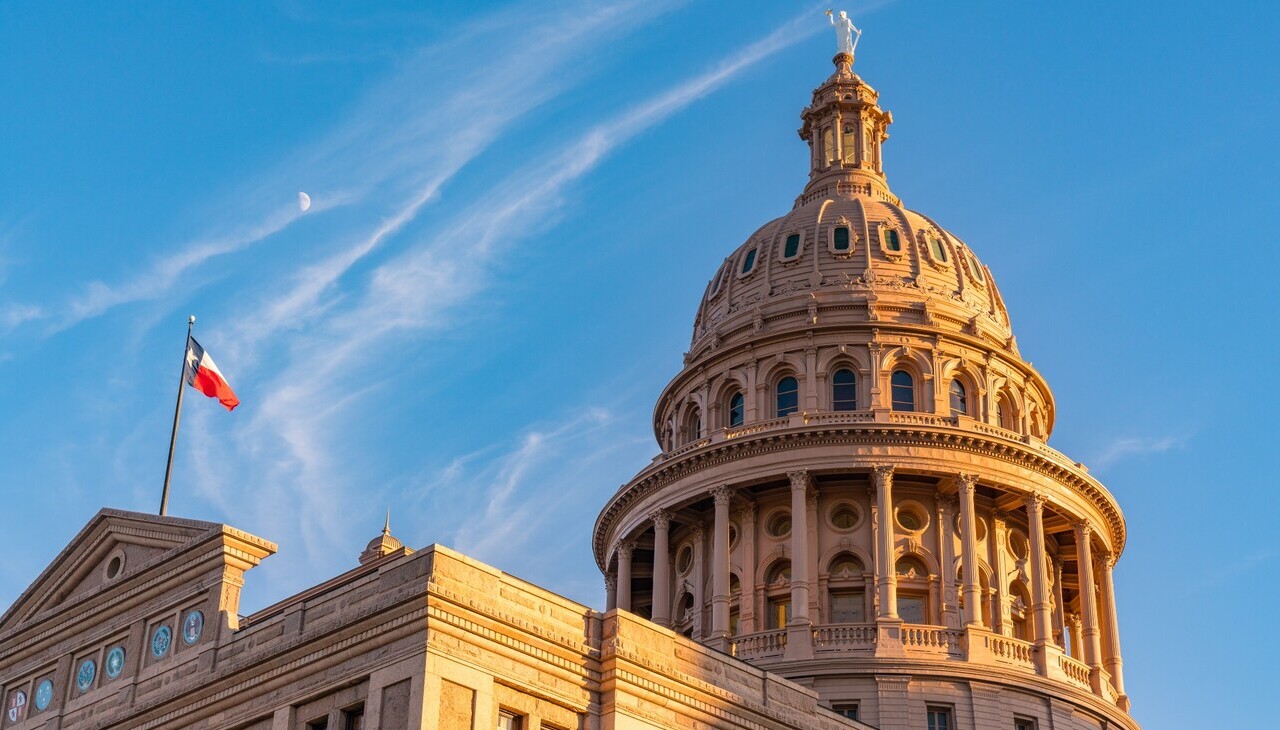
{"x": 383, "y": 545}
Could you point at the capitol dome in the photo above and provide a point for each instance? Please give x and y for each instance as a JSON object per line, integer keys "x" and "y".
{"x": 854, "y": 487}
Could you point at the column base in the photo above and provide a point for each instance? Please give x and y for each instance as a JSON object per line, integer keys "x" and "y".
{"x": 1046, "y": 659}
{"x": 1123, "y": 702}
{"x": 719, "y": 642}
{"x": 889, "y": 637}
{"x": 799, "y": 640}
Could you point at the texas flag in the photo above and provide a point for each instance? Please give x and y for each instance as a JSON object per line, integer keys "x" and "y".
{"x": 205, "y": 377}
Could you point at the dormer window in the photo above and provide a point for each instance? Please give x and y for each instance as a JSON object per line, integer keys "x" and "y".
{"x": 748, "y": 262}
{"x": 791, "y": 249}
{"x": 890, "y": 241}
{"x": 717, "y": 281}
{"x": 936, "y": 248}
{"x": 976, "y": 268}
{"x": 840, "y": 240}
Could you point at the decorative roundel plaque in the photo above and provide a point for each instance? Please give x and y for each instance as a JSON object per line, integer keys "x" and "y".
{"x": 192, "y": 626}
{"x": 115, "y": 662}
{"x": 161, "y": 638}
{"x": 84, "y": 677}
{"x": 44, "y": 694}
{"x": 17, "y": 706}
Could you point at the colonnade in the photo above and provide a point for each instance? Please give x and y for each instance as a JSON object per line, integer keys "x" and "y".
{"x": 1051, "y": 625}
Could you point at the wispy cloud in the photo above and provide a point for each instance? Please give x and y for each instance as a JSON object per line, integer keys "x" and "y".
{"x": 416, "y": 291}
{"x": 1131, "y": 446}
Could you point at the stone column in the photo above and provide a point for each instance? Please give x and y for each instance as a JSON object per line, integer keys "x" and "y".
{"x": 1059, "y": 606}
{"x": 800, "y": 573}
{"x": 720, "y": 568}
{"x": 1073, "y": 630}
{"x": 699, "y": 578}
{"x": 624, "y": 574}
{"x": 886, "y": 575}
{"x": 610, "y": 591}
{"x": 1113, "y": 663}
{"x": 965, "y": 486}
{"x": 747, "y": 599}
{"x": 1090, "y": 636}
{"x": 1042, "y": 624}
{"x": 661, "y": 613}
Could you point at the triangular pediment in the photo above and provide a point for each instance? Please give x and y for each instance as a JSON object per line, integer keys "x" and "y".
{"x": 114, "y": 545}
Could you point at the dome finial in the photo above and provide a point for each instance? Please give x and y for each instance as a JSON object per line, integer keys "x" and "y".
{"x": 383, "y": 545}
{"x": 386, "y": 526}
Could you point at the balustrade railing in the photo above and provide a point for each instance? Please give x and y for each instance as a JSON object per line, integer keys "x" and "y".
{"x": 1012, "y": 651}
{"x": 1077, "y": 671}
{"x": 759, "y": 645}
{"x": 933, "y": 639}
{"x": 844, "y": 637}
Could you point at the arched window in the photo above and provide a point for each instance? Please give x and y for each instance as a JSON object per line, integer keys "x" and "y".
{"x": 749, "y": 262}
{"x": 850, "y": 141}
{"x": 847, "y": 598}
{"x": 904, "y": 391}
{"x": 913, "y": 590}
{"x": 788, "y": 396}
{"x": 828, "y": 146}
{"x": 959, "y": 399}
{"x": 737, "y": 409}
{"x": 844, "y": 390}
{"x": 693, "y": 426}
{"x": 777, "y": 584}
{"x": 840, "y": 240}
{"x": 1004, "y": 412}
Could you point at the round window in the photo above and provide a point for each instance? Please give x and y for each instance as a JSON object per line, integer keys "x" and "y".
{"x": 979, "y": 528}
{"x": 779, "y": 524}
{"x": 911, "y": 518}
{"x": 844, "y": 516}
{"x": 684, "y": 559}
{"x": 1018, "y": 544}
{"x": 114, "y": 567}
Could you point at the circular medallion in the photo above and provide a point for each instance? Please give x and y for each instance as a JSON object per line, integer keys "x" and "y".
{"x": 160, "y": 641}
{"x": 44, "y": 694}
{"x": 17, "y": 706}
{"x": 84, "y": 677}
{"x": 192, "y": 627}
{"x": 115, "y": 662}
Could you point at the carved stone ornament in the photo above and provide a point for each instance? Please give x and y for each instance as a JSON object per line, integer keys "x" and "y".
{"x": 1035, "y": 501}
{"x": 799, "y": 479}
{"x": 625, "y": 547}
{"x": 661, "y": 519}
{"x": 610, "y": 581}
{"x": 757, "y": 322}
{"x": 883, "y": 474}
{"x": 722, "y": 494}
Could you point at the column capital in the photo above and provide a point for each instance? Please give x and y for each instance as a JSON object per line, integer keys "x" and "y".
{"x": 1035, "y": 501}
{"x": 947, "y": 503}
{"x": 1106, "y": 558}
{"x": 966, "y": 481}
{"x": 722, "y": 494}
{"x": 883, "y": 473}
{"x": 748, "y": 511}
{"x": 811, "y": 497}
{"x": 999, "y": 518}
{"x": 624, "y": 547}
{"x": 800, "y": 479}
{"x": 661, "y": 518}
{"x": 610, "y": 581}
{"x": 1083, "y": 529}
{"x": 699, "y": 531}
{"x": 1074, "y": 620}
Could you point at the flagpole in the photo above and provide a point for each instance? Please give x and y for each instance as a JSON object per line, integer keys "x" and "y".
{"x": 177, "y": 414}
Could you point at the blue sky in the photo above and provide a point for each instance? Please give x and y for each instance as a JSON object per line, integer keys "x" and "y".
{"x": 516, "y": 208}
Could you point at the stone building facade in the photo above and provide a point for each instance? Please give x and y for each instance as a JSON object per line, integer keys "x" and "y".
{"x": 854, "y": 522}
{"x": 854, "y": 489}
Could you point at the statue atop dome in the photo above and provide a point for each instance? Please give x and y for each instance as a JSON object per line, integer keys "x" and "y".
{"x": 847, "y": 34}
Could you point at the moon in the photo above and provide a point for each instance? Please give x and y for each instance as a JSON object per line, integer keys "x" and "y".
{"x": 304, "y": 201}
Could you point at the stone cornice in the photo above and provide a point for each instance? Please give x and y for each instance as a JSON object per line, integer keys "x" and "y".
{"x": 1027, "y": 456}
